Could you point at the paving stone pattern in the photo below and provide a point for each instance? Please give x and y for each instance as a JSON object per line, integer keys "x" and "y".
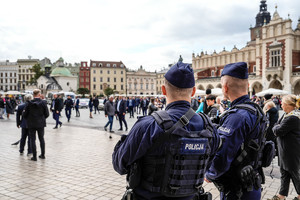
{"x": 77, "y": 165}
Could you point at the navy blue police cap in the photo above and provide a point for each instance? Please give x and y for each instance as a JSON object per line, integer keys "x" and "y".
{"x": 181, "y": 75}
{"x": 237, "y": 70}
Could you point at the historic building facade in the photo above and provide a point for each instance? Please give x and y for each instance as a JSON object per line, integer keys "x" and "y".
{"x": 272, "y": 55}
{"x": 104, "y": 74}
{"x": 9, "y": 76}
{"x": 25, "y": 72}
{"x": 84, "y": 75}
{"x": 141, "y": 82}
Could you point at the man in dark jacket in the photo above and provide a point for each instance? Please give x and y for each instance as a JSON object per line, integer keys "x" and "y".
{"x": 36, "y": 113}
{"x": 144, "y": 105}
{"x": 68, "y": 107}
{"x": 131, "y": 105}
{"x": 96, "y": 104}
{"x": 121, "y": 111}
{"x": 21, "y": 122}
{"x": 207, "y": 92}
{"x": 55, "y": 109}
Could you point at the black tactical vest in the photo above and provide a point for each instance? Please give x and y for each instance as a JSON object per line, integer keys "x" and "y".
{"x": 180, "y": 170}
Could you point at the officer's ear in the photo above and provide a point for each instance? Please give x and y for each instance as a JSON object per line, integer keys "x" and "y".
{"x": 194, "y": 91}
{"x": 163, "y": 89}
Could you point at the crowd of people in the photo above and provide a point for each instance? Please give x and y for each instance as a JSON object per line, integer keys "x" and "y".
{"x": 183, "y": 140}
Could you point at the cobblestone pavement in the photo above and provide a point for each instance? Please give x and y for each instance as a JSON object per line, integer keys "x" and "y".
{"x": 77, "y": 165}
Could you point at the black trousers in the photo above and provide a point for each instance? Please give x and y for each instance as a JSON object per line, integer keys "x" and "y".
{"x": 286, "y": 176}
{"x": 32, "y": 137}
{"x": 25, "y": 134}
{"x": 122, "y": 119}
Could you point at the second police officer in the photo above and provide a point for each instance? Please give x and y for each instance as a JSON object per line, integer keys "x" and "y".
{"x": 235, "y": 169}
{"x": 172, "y": 148}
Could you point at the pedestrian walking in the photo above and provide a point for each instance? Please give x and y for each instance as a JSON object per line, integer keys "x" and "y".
{"x": 165, "y": 154}
{"x": 22, "y": 122}
{"x": 287, "y": 131}
{"x": 8, "y": 107}
{"x": 77, "y": 101}
{"x": 144, "y": 105}
{"x": 68, "y": 107}
{"x": 131, "y": 105}
{"x": 121, "y": 111}
{"x": 56, "y": 109}
{"x": 96, "y": 104}
{"x": 36, "y": 113}
{"x": 91, "y": 107}
{"x": 109, "y": 110}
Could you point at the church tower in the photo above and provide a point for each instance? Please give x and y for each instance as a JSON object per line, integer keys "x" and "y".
{"x": 263, "y": 17}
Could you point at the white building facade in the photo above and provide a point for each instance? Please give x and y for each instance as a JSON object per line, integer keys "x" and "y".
{"x": 9, "y": 76}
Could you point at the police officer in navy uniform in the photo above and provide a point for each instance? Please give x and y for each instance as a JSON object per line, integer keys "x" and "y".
{"x": 235, "y": 130}
{"x": 148, "y": 144}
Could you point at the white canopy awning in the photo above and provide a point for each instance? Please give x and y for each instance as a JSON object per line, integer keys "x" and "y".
{"x": 272, "y": 91}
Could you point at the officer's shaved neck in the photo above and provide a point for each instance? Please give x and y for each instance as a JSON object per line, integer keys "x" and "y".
{"x": 173, "y": 93}
{"x": 234, "y": 88}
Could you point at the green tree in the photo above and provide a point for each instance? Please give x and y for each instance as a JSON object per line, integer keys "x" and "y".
{"x": 83, "y": 91}
{"x": 37, "y": 73}
{"x": 108, "y": 91}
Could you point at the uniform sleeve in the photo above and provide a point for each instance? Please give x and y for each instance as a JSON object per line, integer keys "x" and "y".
{"x": 232, "y": 133}
{"x": 136, "y": 144}
{"x": 287, "y": 125}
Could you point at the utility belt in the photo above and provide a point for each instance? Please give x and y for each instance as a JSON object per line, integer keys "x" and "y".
{"x": 244, "y": 179}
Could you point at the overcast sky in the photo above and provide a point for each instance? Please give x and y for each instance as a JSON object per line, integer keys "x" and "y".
{"x": 152, "y": 33}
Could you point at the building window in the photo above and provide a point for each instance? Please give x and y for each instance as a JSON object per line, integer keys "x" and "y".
{"x": 108, "y": 79}
{"x": 129, "y": 86}
{"x": 213, "y": 73}
{"x": 275, "y": 58}
{"x": 68, "y": 83}
{"x": 254, "y": 68}
{"x": 100, "y": 64}
{"x": 114, "y": 65}
{"x": 121, "y": 80}
{"x": 121, "y": 87}
{"x": 121, "y": 72}
{"x": 94, "y": 86}
{"x": 94, "y": 64}
{"x": 141, "y": 86}
{"x": 41, "y": 86}
{"x": 107, "y": 65}
{"x": 101, "y": 79}
{"x": 100, "y": 87}
{"x": 121, "y": 65}
{"x": 94, "y": 71}
{"x": 115, "y": 87}
{"x": 87, "y": 80}
{"x": 135, "y": 86}
{"x": 152, "y": 86}
{"x": 115, "y": 72}
{"x": 107, "y": 71}
{"x": 94, "y": 79}
{"x": 115, "y": 79}
{"x": 147, "y": 86}
{"x": 100, "y": 71}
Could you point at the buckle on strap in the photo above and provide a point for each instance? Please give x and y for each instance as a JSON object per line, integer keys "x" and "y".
{"x": 184, "y": 120}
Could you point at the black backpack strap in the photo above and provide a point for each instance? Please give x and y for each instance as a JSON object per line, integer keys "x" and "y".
{"x": 207, "y": 123}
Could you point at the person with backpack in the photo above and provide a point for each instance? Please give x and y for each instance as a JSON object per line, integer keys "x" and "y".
{"x": 167, "y": 144}
{"x": 236, "y": 169}
{"x": 68, "y": 107}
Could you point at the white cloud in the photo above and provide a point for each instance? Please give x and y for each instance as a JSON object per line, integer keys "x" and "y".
{"x": 148, "y": 33}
